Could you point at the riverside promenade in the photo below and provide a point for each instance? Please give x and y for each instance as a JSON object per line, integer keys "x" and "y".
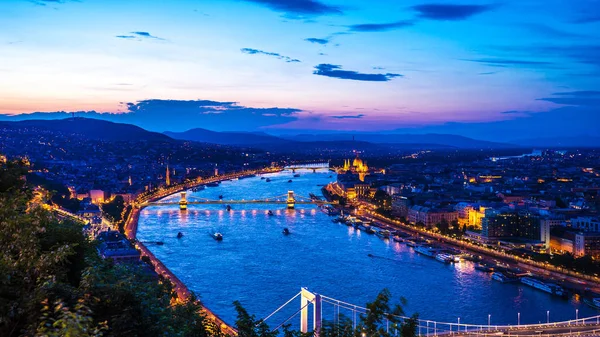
{"x": 131, "y": 224}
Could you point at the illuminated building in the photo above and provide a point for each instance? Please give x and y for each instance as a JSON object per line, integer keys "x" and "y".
{"x": 357, "y": 166}
{"x": 168, "y": 177}
{"x": 506, "y": 225}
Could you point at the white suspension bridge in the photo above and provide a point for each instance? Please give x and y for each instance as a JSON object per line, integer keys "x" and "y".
{"x": 322, "y": 305}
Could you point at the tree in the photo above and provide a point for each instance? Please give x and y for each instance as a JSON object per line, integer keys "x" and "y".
{"x": 381, "y": 314}
{"x": 114, "y": 208}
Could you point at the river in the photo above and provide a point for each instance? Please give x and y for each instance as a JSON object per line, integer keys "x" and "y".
{"x": 259, "y": 266}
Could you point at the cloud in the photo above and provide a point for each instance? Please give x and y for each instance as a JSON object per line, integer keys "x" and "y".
{"x": 251, "y": 51}
{"x": 296, "y": 8}
{"x": 139, "y": 36}
{"x": 162, "y": 115}
{"x": 336, "y": 71}
{"x": 449, "y": 12}
{"x": 545, "y": 30}
{"x": 348, "y": 116}
{"x": 499, "y": 62}
{"x": 488, "y": 73}
{"x": 380, "y": 27}
{"x": 316, "y": 40}
{"x": 590, "y": 98}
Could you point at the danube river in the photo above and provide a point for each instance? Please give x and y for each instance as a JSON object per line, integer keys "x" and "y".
{"x": 259, "y": 266}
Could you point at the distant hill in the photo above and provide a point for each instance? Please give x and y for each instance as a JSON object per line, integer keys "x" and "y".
{"x": 428, "y": 140}
{"x": 557, "y": 142}
{"x": 95, "y": 129}
{"x": 226, "y": 138}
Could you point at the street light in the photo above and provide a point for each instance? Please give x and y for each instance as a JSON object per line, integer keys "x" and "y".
{"x": 518, "y": 318}
{"x": 548, "y": 316}
{"x": 576, "y": 315}
{"x": 489, "y": 319}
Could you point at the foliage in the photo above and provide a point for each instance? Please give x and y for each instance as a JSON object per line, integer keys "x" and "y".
{"x": 113, "y": 209}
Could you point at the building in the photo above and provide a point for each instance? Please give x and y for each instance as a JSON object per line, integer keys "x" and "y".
{"x": 587, "y": 244}
{"x": 586, "y": 224}
{"x": 430, "y": 216}
{"x": 97, "y": 196}
{"x": 113, "y": 245}
{"x": 400, "y": 205}
{"x": 92, "y": 213}
{"x": 357, "y": 166}
{"x": 510, "y": 225}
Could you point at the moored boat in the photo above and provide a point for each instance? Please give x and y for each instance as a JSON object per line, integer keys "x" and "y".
{"x": 445, "y": 258}
{"x": 384, "y": 233}
{"x": 550, "y": 288}
{"x": 424, "y": 250}
{"x": 504, "y": 278}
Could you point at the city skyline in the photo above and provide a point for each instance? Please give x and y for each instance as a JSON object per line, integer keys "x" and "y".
{"x": 477, "y": 68}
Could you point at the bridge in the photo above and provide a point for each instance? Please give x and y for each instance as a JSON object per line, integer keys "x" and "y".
{"x": 289, "y": 199}
{"x": 321, "y": 305}
{"x": 311, "y": 166}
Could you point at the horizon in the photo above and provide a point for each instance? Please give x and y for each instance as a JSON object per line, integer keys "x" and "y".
{"x": 478, "y": 69}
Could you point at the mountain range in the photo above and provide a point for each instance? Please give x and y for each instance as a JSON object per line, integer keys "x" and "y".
{"x": 109, "y": 131}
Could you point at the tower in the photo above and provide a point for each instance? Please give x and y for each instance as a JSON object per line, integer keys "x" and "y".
{"x": 168, "y": 177}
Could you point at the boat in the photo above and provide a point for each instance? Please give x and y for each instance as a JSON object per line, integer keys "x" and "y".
{"x": 262, "y": 178}
{"x": 398, "y": 239}
{"x": 286, "y": 231}
{"x": 296, "y": 175}
{"x": 424, "y": 250}
{"x": 217, "y": 236}
{"x": 198, "y": 188}
{"x": 228, "y": 207}
{"x": 270, "y": 212}
{"x": 550, "y": 288}
{"x": 221, "y": 196}
{"x": 215, "y": 184}
{"x": 179, "y": 235}
{"x": 504, "y": 278}
{"x": 592, "y": 302}
{"x": 445, "y": 258}
{"x": 484, "y": 268}
{"x": 160, "y": 243}
{"x": 384, "y": 233}
{"x": 368, "y": 229}
{"x": 268, "y": 180}
{"x": 289, "y": 181}
{"x": 410, "y": 243}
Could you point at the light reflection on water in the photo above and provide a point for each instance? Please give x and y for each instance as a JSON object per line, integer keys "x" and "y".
{"x": 258, "y": 265}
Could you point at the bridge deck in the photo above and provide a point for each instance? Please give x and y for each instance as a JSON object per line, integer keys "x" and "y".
{"x": 226, "y": 202}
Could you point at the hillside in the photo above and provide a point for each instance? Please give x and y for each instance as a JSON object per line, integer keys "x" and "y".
{"x": 226, "y": 138}
{"x": 89, "y": 128}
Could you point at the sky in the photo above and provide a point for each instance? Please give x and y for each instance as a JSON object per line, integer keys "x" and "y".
{"x": 494, "y": 69}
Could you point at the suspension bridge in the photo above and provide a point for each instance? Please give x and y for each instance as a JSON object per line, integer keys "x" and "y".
{"x": 289, "y": 199}
{"x": 313, "y": 166}
{"x": 333, "y": 310}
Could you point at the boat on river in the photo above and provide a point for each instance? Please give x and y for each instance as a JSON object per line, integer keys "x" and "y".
{"x": 270, "y": 213}
{"x": 268, "y": 180}
{"x": 550, "y": 288}
{"x": 384, "y": 233}
{"x": 424, "y": 250}
{"x": 296, "y": 175}
{"x": 286, "y": 231}
{"x": 217, "y": 236}
{"x": 179, "y": 235}
{"x": 484, "y": 268}
{"x": 504, "y": 278}
{"x": 214, "y": 184}
{"x": 445, "y": 258}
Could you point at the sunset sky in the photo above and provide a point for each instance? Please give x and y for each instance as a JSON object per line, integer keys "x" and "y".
{"x": 470, "y": 67}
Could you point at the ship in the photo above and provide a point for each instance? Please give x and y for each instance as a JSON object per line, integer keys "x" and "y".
{"x": 484, "y": 268}
{"x": 424, "y": 250}
{"x": 268, "y": 180}
{"x": 368, "y": 229}
{"x": 217, "y": 236}
{"x": 289, "y": 181}
{"x": 215, "y": 184}
{"x": 296, "y": 175}
{"x": 228, "y": 207}
{"x": 445, "y": 258}
{"x": 270, "y": 213}
{"x": 550, "y": 288}
{"x": 504, "y": 278}
{"x": 384, "y": 233}
{"x": 179, "y": 235}
{"x": 286, "y": 231}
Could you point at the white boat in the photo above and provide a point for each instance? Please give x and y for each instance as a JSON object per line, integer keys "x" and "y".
{"x": 498, "y": 276}
{"x": 427, "y": 251}
{"x": 445, "y": 258}
{"x": 384, "y": 233}
{"x": 550, "y": 288}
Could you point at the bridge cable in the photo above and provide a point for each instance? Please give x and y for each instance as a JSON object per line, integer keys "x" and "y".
{"x": 281, "y": 307}
{"x": 292, "y": 316}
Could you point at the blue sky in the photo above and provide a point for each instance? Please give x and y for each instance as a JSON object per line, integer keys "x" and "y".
{"x": 487, "y": 69}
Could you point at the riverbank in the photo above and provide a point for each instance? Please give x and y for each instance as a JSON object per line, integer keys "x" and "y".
{"x": 131, "y": 225}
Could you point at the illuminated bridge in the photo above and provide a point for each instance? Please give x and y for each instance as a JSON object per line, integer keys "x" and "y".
{"x": 313, "y": 166}
{"x": 289, "y": 199}
{"x": 331, "y": 309}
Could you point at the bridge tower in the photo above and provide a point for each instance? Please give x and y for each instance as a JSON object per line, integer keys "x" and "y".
{"x": 291, "y": 201}
{"x": 183, "y": 201}
{"x": 314, "y": 299}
